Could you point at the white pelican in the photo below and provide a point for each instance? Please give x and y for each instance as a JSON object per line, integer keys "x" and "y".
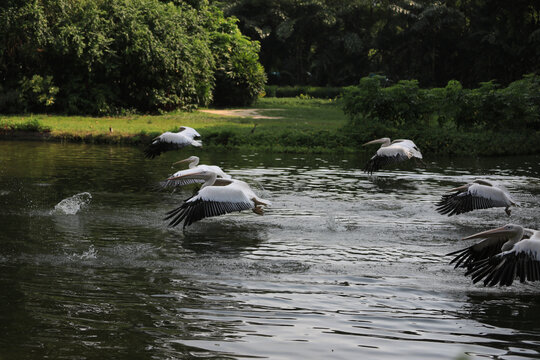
{"x": 177, "y": 179}
{"x": 479, "y": 194}
{"x": 216, "y": 197}
{"x": 505, "y": 253}
{"x": 172, "y": 141}
{"x": 391, "y": 152}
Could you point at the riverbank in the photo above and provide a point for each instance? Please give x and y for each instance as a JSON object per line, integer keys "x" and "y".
{"x": 273, "y": 124}
{"x": 284, "y": 125}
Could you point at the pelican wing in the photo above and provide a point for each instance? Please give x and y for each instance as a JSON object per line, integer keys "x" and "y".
{"x": 188, "y": 131}
{"x": 411, "y": 146}
{"x": 171, "y": 182}
{"x": 377, "y": 162}
{"x": 475, "y": 197}
{"x": 179, "y": 178}
{"x": 210, "y": 201}
{"x": 522, "y": 261}
{"x": 484, "y": 249}
{"x": 169, "y": 141}
{"x": 399, "y": 151}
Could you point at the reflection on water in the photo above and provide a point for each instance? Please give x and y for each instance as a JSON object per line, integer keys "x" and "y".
{"x": 343, "y": 264}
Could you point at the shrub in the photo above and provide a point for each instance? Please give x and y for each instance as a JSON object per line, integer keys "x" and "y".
{"x": 299, "y": 91}
{"x": 37, "y": 93}
{"x": 375, "y": 108}
{"x": 239, "y": 77}
{"x": 32, "y": 125}
{"x": 107, "y": 57}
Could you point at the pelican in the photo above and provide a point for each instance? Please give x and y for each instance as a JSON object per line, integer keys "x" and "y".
{"x": 216, "y": 197}
{"x": 505, "y": 253}
{"x": 391, "y": 152}
{"x": 172, "y": 141}
{"x": 479, "y": 194}
{"x": 177, "y": 179}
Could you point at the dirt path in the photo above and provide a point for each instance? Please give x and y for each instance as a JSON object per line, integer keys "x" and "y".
{"x": 252, "y": 113}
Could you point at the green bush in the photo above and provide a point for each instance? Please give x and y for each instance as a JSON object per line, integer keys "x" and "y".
{"x": 239, "y": 77}
{"x": 487, "y": 120}
{"x": 112, "y": 56}
{"x": 303, "y": 91}
{"x": 32, "y": 125}
{"x": 37, "y": 93}
{"x": 404, "y": 105}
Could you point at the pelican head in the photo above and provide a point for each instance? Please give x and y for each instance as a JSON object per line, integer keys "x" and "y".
{"x": 514, "y": 232}
{"x": 384, "y": 141}
{"x": 192, "y": 160}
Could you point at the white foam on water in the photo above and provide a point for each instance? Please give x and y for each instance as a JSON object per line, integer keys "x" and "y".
{"x": 91, "y": 253}
{"x": 72, "y": 205}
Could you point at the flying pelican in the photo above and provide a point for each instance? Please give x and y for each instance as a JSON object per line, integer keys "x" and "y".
{"x": 479, "y": 194}
{"x": 505, "y": 253}
{"x": 177, "y": 179}
{"x": 391, "y": 152}
{"x": 172, "y": 141}
{"x": 216, "y": 197}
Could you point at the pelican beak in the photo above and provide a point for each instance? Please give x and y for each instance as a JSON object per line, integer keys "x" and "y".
{"x": 181, "y": 161}
{"x": 460, "y": 188}
{"x": 378, "y": 141}
{"x": 488, "y": 233}
{"x": 190, "y": 173}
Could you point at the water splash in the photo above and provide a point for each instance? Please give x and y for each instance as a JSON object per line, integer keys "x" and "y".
{"x": 90, "y": 254}
{"x": 72, "y": 205}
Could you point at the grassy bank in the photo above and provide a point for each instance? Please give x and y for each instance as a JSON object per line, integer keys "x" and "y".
{"x": 295, "y": 125}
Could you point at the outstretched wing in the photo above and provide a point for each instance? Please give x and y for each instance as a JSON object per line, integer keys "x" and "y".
{"x": 410, "y": 146}
{"x": 474, "y": 198}
{"x": 377, "y": 162}
{"x": 522, "y": 261}
{"x": 170, "y": 183}
{"x": 210, "y": 201}
{"x": 188, "y": 131}
{"x": 484, "y": 249}
{"x": 395, "y": 153}
{"x": 168, "y": 141}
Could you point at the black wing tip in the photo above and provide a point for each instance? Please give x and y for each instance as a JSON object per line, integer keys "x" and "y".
{"x": 193, "y": 211}
{"x": 503, "y": 270}
{"x": 460, "y": 203}
{"x": 151, "y": 152}
{"x": 378, "y": 162}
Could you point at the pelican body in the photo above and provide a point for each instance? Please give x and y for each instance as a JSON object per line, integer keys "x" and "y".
{"x": 479, "y": 194}
{"x": 178, "y": 178}
{"x": 216, "y": 197}
{"x": 172, "y": 141}
{"x": 506, "y": 253}
{"x": 391, "y": 152}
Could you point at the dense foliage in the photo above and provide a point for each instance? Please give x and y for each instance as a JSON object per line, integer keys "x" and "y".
{"x": 112, "y": 56}
{"x": 337, "y": 42}
{"x": 448, "y": 116}
{"x": 317, "y": 92}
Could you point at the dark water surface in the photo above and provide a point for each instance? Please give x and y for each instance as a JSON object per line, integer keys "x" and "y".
{"x": 342, "y": 265}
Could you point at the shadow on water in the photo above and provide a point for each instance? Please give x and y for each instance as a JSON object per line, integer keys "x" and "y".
{"x": 506, "y": 319}
{"x": 392, "y": 184}
{"x": 511, "y": 310}
{"x": 222, "y": 236}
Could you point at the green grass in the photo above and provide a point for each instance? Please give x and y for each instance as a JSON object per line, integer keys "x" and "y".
{"x": 299, "y": 121}
{"x": 302, "y": 126}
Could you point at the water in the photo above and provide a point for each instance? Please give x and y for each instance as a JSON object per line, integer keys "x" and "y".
{"x": 342, "y": 265}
